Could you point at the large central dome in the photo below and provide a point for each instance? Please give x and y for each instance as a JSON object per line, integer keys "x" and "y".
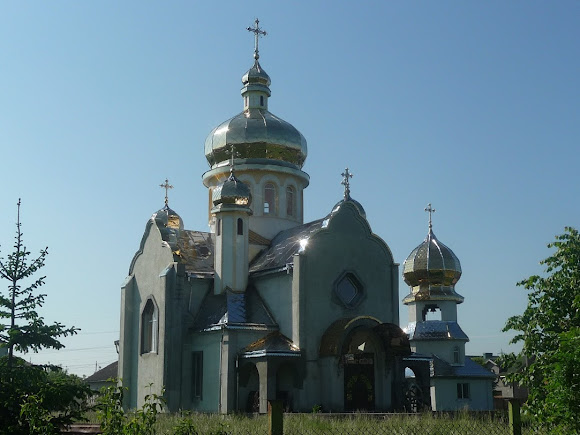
{"x": 256, "y": 134}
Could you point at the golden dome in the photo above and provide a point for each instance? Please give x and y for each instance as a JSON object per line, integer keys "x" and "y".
{"x": 431, "y": 263}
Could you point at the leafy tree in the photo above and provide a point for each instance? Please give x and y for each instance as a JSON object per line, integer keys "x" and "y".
{"x": 550, "y": 331}
{"x": 29, "y": 394}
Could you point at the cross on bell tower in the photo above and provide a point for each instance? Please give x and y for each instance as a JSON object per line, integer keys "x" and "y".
{"x": 430, "y": 210}
{"x": 257, "y": 31}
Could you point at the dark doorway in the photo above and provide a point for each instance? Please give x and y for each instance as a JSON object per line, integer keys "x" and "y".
{"x": 359, "y": 382}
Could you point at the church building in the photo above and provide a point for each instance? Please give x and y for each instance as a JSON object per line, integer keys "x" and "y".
{"x": 264, "y": 306}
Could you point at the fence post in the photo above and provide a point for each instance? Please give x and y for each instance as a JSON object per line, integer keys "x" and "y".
{"x": 275, "y": 417}
{"x": 514, "y": 417}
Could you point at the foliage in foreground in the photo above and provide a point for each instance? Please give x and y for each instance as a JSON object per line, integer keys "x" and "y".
{"x": 39, "y": 399}
{"x": 550, "y": 331}
{"x": 114, "y": 420}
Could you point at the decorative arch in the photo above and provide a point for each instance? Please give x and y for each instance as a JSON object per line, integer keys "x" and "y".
{"x": 149, "y": 327}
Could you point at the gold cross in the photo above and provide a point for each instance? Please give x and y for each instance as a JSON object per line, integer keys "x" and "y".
{"x": 257, "y": 31}
{"x": 431, "y": 210}
{"x": 166, "y": 186}
{"x": 346, "y": 175}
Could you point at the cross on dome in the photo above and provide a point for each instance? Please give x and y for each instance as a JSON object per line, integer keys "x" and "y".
{"x": 233, "y": 154}
{"x": 346, "y": 175}
{"x": 257, "y": 31}
{"x": 166, "y": 186}
{"x": 430, "y": 210}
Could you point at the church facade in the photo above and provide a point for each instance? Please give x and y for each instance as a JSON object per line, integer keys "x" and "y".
{"x": 264, "y": 306}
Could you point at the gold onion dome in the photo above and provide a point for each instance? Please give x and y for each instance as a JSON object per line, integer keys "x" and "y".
{"x": 232, "y": 192}
{"x": 258, "y": 135}
{"x": 431, "y": 264}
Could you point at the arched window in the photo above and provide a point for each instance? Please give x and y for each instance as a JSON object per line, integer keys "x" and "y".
{"x": 261, "y": 100}
{"x": 149, "y": 327}
{"x": 290, "y": 201}
{"x": 269, "y": 198}
{"x": 240, "y": 227}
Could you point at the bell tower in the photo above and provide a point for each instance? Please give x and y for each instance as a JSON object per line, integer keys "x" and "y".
{"x": 431, "y": 270}
{"x": 231, "y": 209}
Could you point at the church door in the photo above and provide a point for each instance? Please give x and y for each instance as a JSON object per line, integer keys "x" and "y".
{"x": 359, "y": 382}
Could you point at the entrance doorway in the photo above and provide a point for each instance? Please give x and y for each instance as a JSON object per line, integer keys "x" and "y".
{"x": 359, "y": 382}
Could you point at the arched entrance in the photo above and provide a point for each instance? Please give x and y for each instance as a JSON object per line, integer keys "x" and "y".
{"x": 359, "y": 352}
{"x": 369, "y": 356}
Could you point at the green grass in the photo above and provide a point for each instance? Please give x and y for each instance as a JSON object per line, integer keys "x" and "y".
{"x": 336, "y": 424}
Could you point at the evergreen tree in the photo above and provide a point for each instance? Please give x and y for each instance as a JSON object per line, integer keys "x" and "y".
{"x": 30, "y": 394}
{"x": 26, "y": 330}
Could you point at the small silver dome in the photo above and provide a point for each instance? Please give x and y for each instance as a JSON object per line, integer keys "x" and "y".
{"x": 232, "y": 192}
{"x": 256, "y": 75}
{"x": 167, "y": 218}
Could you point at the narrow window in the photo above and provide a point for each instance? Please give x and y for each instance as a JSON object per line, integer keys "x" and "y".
{"x": 456, "y": 354}
{"x": 261, "y": 100}
{"x": 463, "y": 391}
{"x": 196, "y": 374}
{"x": 290, "y": 201}
{"x": 240, "y": 227}
{"x": 269, "y": 198}
{"x": 219, "y": 227}
{"x": 149, "y": 328}
{"x": 246, "y": 101}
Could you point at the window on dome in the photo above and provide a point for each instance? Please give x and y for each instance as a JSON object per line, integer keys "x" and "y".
{"x": 269, "y": 198}
{"x": 240, "y": 227}
{"x": 290, "y": 201}
{"x": 261, "y": 100}
{"x": 149, "y": 328}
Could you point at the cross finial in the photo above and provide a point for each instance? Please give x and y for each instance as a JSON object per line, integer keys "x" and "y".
{"x": 233, "y": 154}
{"x": 166, "y": 186}
{"x": 257, "y": 31}
{"x": 430, "y": 210}
{"x": 346, "y": 176}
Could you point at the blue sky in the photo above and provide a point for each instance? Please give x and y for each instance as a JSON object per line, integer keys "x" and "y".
{"x": 472, "y": 106}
